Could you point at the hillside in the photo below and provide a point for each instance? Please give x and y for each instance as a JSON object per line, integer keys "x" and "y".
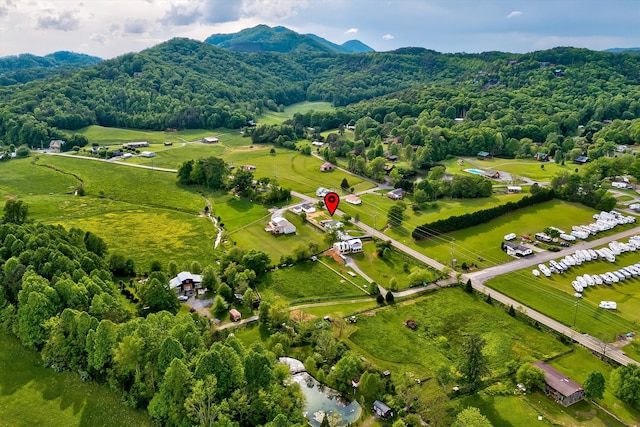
{"x": 26, "y": 67}
{"x": 263, "y": 38}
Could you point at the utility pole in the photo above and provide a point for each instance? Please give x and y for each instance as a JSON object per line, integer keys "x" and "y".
{"x": 575, "y": 315}
{"x": 453, "y": 241}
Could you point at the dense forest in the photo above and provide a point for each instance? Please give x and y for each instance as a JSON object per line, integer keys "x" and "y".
{"x": 188, "y": 84}
{"x": 26, "y": 67}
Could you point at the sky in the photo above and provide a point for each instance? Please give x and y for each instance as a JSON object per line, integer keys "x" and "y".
{"x": 108, "y": 28}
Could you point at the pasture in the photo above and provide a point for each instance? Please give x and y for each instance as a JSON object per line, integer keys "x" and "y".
{"x": 31, "y": 395}
{"x": 117, "y": 136}
{"x": 382, "y": 270}
{"x": 305, "y": 280}
{"x": 272, "y": 117}
{"x": 443, "y": 318}
{"x": 483, "y": 241}
{"x": 553, "y": 296}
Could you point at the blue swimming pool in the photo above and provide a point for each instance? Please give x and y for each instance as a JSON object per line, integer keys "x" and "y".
{"x": 474, "y": 171}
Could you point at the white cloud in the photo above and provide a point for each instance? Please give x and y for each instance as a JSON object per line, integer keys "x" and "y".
{"x": 98, "y": 38}
{"x": 514, "y": 14}
{"x": 181, "y": 14}
{"x": 217, "y": 11}
{"x": 62, "y": 21}
{"x": 135, "y": 26}
{"x": 351, "y": 31}
{"x": 388, "y": 37}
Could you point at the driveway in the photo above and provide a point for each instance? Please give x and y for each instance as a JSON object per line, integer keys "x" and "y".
{"x": 202, "y": 306}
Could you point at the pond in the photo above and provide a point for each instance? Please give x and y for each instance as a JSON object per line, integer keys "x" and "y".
{"x": 324, "y": 400}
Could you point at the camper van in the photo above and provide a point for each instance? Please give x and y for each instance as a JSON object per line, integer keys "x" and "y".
{"x": 611, "y": 305}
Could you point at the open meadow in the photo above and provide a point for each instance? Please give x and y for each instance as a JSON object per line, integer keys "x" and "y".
{"x": 31, "y": 395}
{"x": 532, "y": 169}
{"x": 273, "y": 117}
{"x": 553, "y": 296}
{"x": 443, "y": 318}
{"x": 116, "y": 136}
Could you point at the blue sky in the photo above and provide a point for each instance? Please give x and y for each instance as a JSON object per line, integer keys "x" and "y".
{"x": 109, "y": 28}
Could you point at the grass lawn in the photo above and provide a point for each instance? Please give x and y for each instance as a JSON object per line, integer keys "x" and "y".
{"x": 443, "y": 318}
{"x": 519, "y": 167}
{"x": 271, "y": 117}
{"x": 577, "y": 366}
{"x": 110, "y": 136}
{"x": 383, "y": 269}
{"x": 305, "y": 280}
{"x": 31, "y": 395}
{"x": 174, "y": 156}
{"x": 340, "y": 310}
{"x": 253, "y": 236}
{"x": 484, "y": 240}
{"x": 553, "y": 296}
{"x": 291, "y": 169}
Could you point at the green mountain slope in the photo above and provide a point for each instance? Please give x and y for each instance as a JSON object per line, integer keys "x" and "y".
{"x": 263, "y": 38}
{"x": 26, "y": 67}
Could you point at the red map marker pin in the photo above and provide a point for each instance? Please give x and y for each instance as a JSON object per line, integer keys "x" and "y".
{"x": 332, "y": 200}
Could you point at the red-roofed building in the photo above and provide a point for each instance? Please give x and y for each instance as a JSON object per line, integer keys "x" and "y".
{"x": 235, "y": 315}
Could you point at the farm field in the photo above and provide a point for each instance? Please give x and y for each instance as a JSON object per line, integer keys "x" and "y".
{"x": 553, "y": 296}
{"x": 253, "y": 236}
{"x": 340, "y": 310}
{"x": 443, "y": 318}
{"x": 31, "y": 395}
{"x": 272, "y": 117}
{"x": 174, "y": 156}
{"x": 382, "y": 270}
{"x": 305, "y": 280}
{"x": 578, "y": 364}
{"x": 105, "y": 135}
{"x": 374, "y": 207}
{"x": 484, "y": 240}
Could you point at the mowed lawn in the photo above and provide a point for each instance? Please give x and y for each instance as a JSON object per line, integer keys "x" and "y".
{"x": 31, "y": 395}
{"x": 291, "y": 169}
{"x": 106, "y": 135}
{"x": 253, "y": 236}
{"x": 553, "y": 296}
{"x": 516, "y": 167}
{"x": 443, "y": 318}
{"x": 173, "y": 157}
{"x": 483, "y": 241}
{"x": 383, "y": 269}
{"x": 305, "y": 280}
{"x": 272, "y": 117}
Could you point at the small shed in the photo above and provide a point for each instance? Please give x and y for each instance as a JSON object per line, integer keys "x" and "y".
{"x": 235, "y": 315}
{"x": 581, "y": 160}
{"x": 382, "y": 410}
{"x": 514, "y": 189}
{"x": 250, "y": 168}
{"x": 326, "y": 166}
{"x": 210, "y": 140}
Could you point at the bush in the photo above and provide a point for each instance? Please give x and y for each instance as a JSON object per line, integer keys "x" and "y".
{"x": 389, "y": 298}
{"x": 380, "y": 299}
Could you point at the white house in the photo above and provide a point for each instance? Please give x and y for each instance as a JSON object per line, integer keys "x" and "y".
{"x": 317, "y": 144}
{"x": 350, "y": 246}
{"x": 279, "y": 225}
{"x": 185, "y": 282}
{"x": 148, "y": 154}
{"x": 56, "y": 145}
{"x": 210, "y": 140}
{"x": 305, "y": 207}
{"x": 353, "y": 199}
{"x": 321, "y": 192}
{"x": 332, "y": 224}
{"x": 513, "y": 249}
{"x": 396, "y": 194}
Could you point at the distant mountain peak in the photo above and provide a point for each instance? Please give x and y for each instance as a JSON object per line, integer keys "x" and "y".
{"x": 263, "y": 38}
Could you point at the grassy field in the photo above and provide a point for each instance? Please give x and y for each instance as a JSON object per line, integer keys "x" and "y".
{"x": 31, "y": 395}
{"x": 444, "y": 317}
{"x": 305, "y": 280}
{"x": 271, "y": 117}
{"x": 484, "y": 240}
{"x": 382, "y": 270}
{"x": 110, "y": 136}
{"x": 577, "y": 366}
{"x": 553, "y": 296}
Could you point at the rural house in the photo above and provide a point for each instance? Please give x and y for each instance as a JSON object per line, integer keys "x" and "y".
{"x": 514, "y": 189}
{"x": 483, "y": 155}
{"x": 326, "y": 166}
{"x": 305, "y": 207}
{"x": 331, "y": 224}
{"x": 321, "y": 192}
{"x": 392, "y": 158}
{"x": 210, "y": 140}
{"x": 279, "y": 225}
{"x": 350, "y": 246}
{"x": 249, "y": 168}
{"x": 564, "y": 390}
{"x": 56, "y": 145}
{"x": 138, "y": 144}
{"x": 317, "y": 144}
{"x": 396, "y": 194}
{"x": 491, "y": 174}
{"x": 581, "y": 160}
{"x": 148, "y": 154}
{"x": 541, "y": 157}
{"x": 382, "y": 410}
{"x": 185, "y": 282}
{"x": 513, "y": 249}
{"x": 354, "y": 200}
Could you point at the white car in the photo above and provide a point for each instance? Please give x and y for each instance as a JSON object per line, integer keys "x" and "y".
{"x": 182, "y": 297}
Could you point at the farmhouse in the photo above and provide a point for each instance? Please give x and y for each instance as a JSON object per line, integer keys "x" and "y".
{"x": 279, "y": 225}
{"x": 354, "y": 200}
{"x": 185, "y": 282}
{"x": 250, "y": 168}
{"x": 317, "y": 144}
{"x": 581, "y": 160}
{"x": 210, "y": 140}
{"x": 513, "y": 249}
{"x": 326, "y": 166}
{"x": 541, "y": 157}
{"x": 321, "y": 192}
{"x": 382, "y": 410}
{"x": 483, "y": 155}
{"x": 148, "y": 154}
{"x": 350, "y": 246}
{"x": 392, "y": 158}
{"x": 56, "y": 145}
{"x": 305, "y": 207}
{"x": 491, "y": 174}
{"x": 564, "y": 390}
{"x": 396, "y": 194}
{"x": 235, "y": 315}
{"x": 138, "y": 144}
{"x": 331, "y": 224}
{"x": 514, "y": 189}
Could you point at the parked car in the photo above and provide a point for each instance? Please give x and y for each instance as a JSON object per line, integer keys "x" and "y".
{"x": 182, "y": 297}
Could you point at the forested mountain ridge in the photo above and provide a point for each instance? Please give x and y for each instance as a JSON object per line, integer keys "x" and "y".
{"x": 263, "y": 38}
{"x": 26, "y": 67}
{"x": 184, "y": 83}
